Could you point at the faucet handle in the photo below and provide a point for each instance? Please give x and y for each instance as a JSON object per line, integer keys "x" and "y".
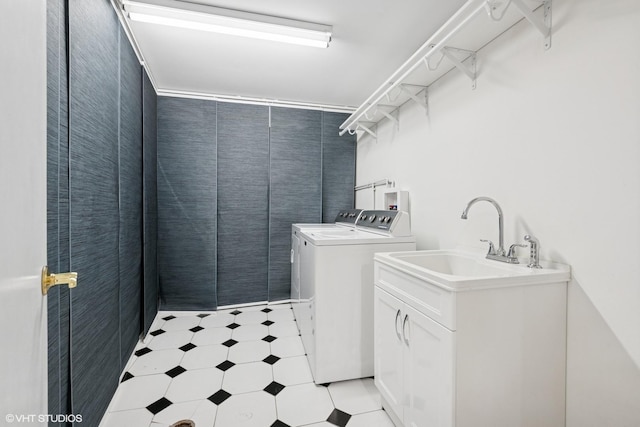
{"x": 492, "y": 248}
{"x": 512, "y": 249}
{"x": 534, "y": 254}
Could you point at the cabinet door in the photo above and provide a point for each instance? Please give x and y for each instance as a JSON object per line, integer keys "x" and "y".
{"x": 388, "y": 348}
{"x": 428, "y": 367}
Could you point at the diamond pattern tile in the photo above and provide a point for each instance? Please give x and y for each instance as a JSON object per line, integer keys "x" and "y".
{"x": 159, "y": 405}
{"x": 339, "y": 418}
{"x": 187, "y": 347}
{"x": 143, "y": 351}
{"x": 230, "y": 343}
{"x": 226, "y": 365}
{"x": 175, "y": 371}
{"x": 235, "y": 367}
{"x": 274, "y": 388}
{"x": 219, "y": 396}
{"x": 271, "y": 359}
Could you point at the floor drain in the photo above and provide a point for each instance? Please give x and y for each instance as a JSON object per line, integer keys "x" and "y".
{"x": 184, "y": 423}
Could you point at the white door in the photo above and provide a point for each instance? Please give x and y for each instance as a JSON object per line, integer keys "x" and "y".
{"x": 428, "y": 367}
{"x": 388, "y": 350}
{"x": 23, "y": 212}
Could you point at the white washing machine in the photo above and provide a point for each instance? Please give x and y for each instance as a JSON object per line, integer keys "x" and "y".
{"x": 335, "y": 310}
{"x": 346, "y": 218}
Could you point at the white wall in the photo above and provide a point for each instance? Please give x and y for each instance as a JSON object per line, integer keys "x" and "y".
{"x": 554, "y": 137}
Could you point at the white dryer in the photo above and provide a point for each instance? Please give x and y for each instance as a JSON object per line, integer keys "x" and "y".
{"x": 335, "y": 310}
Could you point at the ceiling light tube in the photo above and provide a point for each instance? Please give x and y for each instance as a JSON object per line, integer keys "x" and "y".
{"x": 231, "y": 22}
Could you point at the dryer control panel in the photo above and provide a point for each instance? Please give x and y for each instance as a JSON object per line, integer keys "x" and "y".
{"x": 348, "y": 216}
{"x": 392, "y": 221}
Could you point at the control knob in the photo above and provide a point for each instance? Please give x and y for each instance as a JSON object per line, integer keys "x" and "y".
{"x": 372, "y": 218}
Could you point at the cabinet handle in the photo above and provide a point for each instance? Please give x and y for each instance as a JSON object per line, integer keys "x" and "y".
{"x": 396, "y": 325}
{"x": 404, "y": 324}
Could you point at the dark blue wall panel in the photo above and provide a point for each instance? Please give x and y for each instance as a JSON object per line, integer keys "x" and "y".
{"x": 295, "y": 187}
{"x": 150, "y": 202}
{"x": 338, "y": 166}
{"x": 187, "y": 203}
{"x": 94, "y": 218}
{"x": 130, "y": 207}
{"x": 243, "y": 203}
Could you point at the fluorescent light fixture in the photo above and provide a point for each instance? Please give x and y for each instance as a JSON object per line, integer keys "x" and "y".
{"x": 226, "y": 21}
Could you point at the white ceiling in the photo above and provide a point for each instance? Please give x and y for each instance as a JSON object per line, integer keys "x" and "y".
{"x": 371, "y": 39}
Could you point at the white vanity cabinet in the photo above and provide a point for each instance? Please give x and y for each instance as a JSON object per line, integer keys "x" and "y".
{"x": 486, "y": 356}
{"x": 413, "y": 363}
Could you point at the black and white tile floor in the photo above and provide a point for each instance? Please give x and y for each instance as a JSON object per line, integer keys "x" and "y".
{"x": 234, "y": 368}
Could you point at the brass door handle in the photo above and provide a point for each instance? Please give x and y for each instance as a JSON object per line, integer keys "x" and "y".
{"x": 50, "y": 280}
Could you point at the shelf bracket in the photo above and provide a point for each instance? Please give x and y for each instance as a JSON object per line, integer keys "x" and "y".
{"x": 367, "y": 130}
{"x": 390, "y": 114}
{"x": 422, "y": 102}
{"x": 541, "y": 24}
{"x": 467, "y": 68}
{"x": 428, "y": 64}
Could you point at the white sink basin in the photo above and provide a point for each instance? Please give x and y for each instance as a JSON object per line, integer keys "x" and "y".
{"x": 458, "y": 270}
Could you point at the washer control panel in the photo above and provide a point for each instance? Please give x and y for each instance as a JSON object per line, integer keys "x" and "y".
{"x": 348, "y": 216}
{"x": 382, "y": 219}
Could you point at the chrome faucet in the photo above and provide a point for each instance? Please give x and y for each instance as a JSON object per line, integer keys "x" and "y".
{"x": 500, "y": 250}
{"x": 493, "y": 253}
